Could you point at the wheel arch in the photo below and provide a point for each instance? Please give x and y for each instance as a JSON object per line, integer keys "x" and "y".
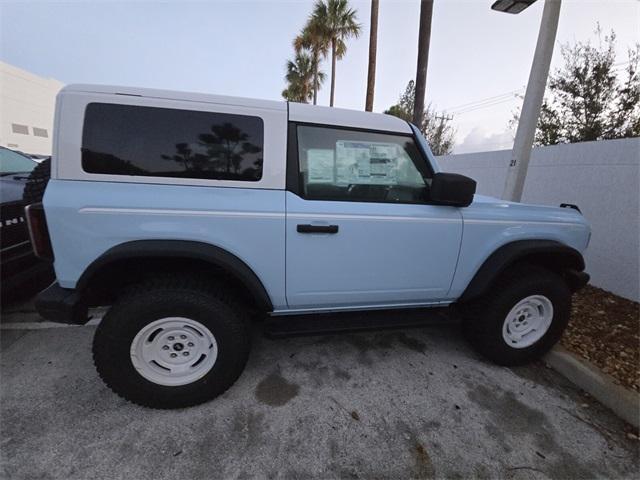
{"x": 550, "y": 254}
{"x": 145, "y": 257}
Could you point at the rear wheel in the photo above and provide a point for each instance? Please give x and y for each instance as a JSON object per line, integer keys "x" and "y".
{"x": 522, "y": 317}
{"x": 172, "y": 344}
{"x": 174, "y": 351}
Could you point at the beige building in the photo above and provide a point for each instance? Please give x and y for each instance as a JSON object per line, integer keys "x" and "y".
{"x": 27, "y": 103}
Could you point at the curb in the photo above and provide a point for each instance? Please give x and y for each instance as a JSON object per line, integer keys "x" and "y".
{"x": 624, "y": 403}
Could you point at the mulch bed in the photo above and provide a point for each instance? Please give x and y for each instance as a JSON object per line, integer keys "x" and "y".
{"x": 605, "y": 330}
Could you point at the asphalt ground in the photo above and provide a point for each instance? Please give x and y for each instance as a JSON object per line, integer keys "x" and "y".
{"x": 414, "y": 403}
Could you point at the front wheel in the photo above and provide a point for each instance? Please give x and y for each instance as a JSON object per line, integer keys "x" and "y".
{"x": 171, "y": 343}
{"x": 521, "y": 318}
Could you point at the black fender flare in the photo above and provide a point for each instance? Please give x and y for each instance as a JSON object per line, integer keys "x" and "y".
{"x": 552, "y": 254}
{"x": 192, "y": 250}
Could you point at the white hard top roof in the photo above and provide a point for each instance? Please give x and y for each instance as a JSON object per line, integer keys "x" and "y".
{"x": 298, "y": 112}
{"x": 302, "y": 112}
{"x": 175, "y": 95}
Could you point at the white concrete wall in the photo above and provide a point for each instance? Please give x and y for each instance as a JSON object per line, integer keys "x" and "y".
{"x": 28, "y": 101}
{"x": 602, "y": 178}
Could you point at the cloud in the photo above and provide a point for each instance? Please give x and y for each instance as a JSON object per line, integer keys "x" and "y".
{"x": 481, "y": 139}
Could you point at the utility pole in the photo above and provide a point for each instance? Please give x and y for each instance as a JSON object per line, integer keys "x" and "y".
{"x": 424, "y": 38}
{"x": 373, "y": 47}
{"x": 532, "y": 103}
{"x": 444, "y": 118}
{"x": 437, "y": 141}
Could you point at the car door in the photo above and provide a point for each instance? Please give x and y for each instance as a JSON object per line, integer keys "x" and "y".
{"x": 360, "y": 231}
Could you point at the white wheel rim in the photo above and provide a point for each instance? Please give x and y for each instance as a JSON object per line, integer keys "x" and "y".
{"x": 174, "y": 351}
{"x": 528, "y": 321}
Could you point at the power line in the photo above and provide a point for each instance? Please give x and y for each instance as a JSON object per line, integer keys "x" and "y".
{"x": 500, "y": 99}
{"x": 487, "y": 105}
{"x": 464, "y": 105}
{"x": 485, "y": 102}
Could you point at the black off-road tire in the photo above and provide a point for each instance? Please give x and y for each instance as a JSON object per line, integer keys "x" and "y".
{"x": 483, "y": 319}
{"x": 37, "y": 182}
{"x": 208, "y": 304}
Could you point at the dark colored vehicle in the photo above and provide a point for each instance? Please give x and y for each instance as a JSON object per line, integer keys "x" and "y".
{"x": 18, "y": 264}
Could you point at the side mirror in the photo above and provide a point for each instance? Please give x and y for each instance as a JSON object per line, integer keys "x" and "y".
{"x": 452, "y": 189}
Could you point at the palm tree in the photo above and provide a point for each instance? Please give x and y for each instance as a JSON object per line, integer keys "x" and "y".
{"x": 300, "y": 78}
{"x": 312, "y": 40}
{"x": 373, "y": 47}
{"x": 424, "y": 38}
{"x": 336, "y": 22}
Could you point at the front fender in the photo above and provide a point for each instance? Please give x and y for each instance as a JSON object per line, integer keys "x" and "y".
{"x": 554, "y": 255}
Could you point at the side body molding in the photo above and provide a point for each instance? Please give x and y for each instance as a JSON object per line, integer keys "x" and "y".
{"x": 193, "y": 250}
{"x": 552, "y": 254}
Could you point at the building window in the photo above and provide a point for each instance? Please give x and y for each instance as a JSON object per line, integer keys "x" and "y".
{"x": 40, "y": 132}
{"x": 166, "y": 142}
{"x": 21, "y": 129}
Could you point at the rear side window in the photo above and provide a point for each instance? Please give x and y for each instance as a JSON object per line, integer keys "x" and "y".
{"x": 166, "y": 142}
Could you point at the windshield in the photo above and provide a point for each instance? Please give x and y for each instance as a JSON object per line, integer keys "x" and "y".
{"x": 14, "y": 162}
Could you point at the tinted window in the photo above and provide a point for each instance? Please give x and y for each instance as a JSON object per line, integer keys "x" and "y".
{"x": 352, "y": 165}
{"x": 164, "y": 142}
{"x": 14, "y": 162}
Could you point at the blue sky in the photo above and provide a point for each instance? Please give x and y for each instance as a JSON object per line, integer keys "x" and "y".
{"x": 240, "y": 48}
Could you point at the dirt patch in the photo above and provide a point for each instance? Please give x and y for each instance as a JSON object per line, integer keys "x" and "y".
{"x": 424, "y": 467}
{"x": 276, "y": 391}
{"x": 604, "y": 329}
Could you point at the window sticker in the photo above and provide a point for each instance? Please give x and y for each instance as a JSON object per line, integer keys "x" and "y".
{"x": 320, "y": 162}
{"x": 366, "y": 162}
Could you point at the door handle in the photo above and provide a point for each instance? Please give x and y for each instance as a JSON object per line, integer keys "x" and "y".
{"x": 317, "y": 228}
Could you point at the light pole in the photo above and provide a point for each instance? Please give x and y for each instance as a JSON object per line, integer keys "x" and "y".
{"x": 532, "y": 103}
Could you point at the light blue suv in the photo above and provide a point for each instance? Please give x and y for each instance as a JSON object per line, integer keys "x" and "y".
{"x": 192, "y": 214}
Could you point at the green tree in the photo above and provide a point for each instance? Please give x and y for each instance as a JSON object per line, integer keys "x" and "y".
{"x": 589, "y": 98}
{"x": 313, "y": 41}
{"x": 335, "y": 22}
{"x": 300, "y": 78}
{"x": 435, "y": 126}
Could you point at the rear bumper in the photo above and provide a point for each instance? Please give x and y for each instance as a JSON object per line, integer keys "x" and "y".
{"x": 576, "y": 280}
{"x": 61, "y": 305}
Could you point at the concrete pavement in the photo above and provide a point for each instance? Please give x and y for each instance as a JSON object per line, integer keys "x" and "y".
{"x": 397, "y": 404}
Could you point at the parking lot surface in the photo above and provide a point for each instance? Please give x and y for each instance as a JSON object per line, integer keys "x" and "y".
{"x": 412, "y": 403}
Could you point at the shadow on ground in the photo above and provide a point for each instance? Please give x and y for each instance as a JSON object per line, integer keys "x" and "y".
{"x": 25, "y": 291}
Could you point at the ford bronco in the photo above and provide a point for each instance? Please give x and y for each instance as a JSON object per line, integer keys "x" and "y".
{"x": 191, "y": 214}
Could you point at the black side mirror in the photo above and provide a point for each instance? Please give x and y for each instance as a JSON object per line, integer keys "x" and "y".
{"x": 452, "y": 189}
